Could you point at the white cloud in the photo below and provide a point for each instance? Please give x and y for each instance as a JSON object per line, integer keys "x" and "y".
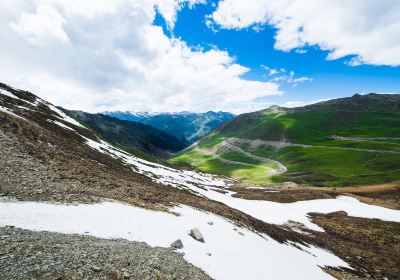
{"x": 44, "y": 25}
{"x": 97, "y": 55}
{"x": 169, "y": 8}
{"x": 367, "y": 29}
{"x": 280, "y": 76}
{"x": 272, "y": 71}
{"x": 293, "y": 104}
{"x": 300, "y": 51}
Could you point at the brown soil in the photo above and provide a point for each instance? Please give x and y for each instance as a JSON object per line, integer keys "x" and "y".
{"x": 385, "y": 195}
{"x": 282, "y": 196}
{"x": 370, "y": 246}
{"x": 372, "y": 188}
{"x": 77, "y": 173}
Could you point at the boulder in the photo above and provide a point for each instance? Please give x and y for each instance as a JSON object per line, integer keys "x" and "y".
{"x": 177, "y": 244}
{"x": 196, "y": 234}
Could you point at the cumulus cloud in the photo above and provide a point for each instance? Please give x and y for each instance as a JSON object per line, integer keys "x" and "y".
{"x": 169, "y": 8}
{"x": 98, "y": 55}
{"x": 44, "y": 25}
{"x": 369, "y": 30}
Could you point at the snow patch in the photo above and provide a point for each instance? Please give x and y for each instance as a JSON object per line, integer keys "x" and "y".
{"x": 64, "y": 116}
{"x": 25, "y": 108}
{"x": 235, "y": 254}
{"x": 9, "y": 94}
{"x": 10, "y": 112}
{"x": 270, "y": 212}
{"x": 61, "y": 124}
{"x": 189, "y": 180}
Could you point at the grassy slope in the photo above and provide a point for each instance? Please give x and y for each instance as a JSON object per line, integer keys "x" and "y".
{"x": 206, "y": 163}
{"x": 370, "y": 116}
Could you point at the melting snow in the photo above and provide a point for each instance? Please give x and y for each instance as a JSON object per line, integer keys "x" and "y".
{"x": 9, "y": 94}
{"x": 9, "y": 111}
{"x": 159, "y": 173}
{"x": 64, "y": 116}
{"x": 61, "y": 124}
{"x": 267, "y": 211}
{"x": 235, "y": 254}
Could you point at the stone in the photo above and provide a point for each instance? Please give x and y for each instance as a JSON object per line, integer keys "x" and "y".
{"x": 210, "y": 223}
{"x": 177, "y": 244}
{"x": 95, "y": 268}
{"x": 196, "y": 234}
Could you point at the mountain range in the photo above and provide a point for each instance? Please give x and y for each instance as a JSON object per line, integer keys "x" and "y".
{"x": 186, "y": 126}
{"x": 340, "y": 142}
{"x": 88, "y": 207}
{"x": 134, "y": 137}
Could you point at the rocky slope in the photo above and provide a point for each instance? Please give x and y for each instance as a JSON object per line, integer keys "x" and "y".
{"x": 45, "y": 255}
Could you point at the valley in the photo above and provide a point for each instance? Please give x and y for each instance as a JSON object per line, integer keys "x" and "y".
{"x": 188, "y": 127}
{"x": 349, "y": 141}
{"x": 77, "y": 187}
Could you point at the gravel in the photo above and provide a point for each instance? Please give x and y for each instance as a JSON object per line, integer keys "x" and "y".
{"x": 26, "y": 178}
{"x": 42, "y": 255}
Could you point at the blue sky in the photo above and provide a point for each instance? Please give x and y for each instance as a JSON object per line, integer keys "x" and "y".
{"x": 254, "y": 49}
{"x": 198, "y": 55}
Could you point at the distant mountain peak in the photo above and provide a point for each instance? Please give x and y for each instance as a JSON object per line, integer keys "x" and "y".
{"x": 187, "y": 126}
{"x": 275, "y": 109}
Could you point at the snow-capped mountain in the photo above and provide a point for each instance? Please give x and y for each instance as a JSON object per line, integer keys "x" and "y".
{"x": 187, "y": 126}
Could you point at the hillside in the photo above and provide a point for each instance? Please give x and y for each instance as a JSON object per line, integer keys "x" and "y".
{"x": 73, "y": 205}
{"x": 339, "y": 142}
{"x": 186, "y": 126}
{"x": 136, "y": 138}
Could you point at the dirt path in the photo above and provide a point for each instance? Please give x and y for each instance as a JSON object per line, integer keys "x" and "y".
{"x": 214, "y": 155}
{"x": 281, "y": 168}
{"x": 372, "y": 188}
{"x": 281, "y": 144}
{"x": 385, "y": 195}
{"x": 270, "y": 170}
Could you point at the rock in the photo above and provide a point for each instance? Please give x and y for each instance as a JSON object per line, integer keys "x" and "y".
{"x": 210, "y": 223}
{"x": 209, "y": 254}
{"x": 241, "y": 233}
{"x": 196, "y": 234}
{"x": 177, "y": 244}
{"x": 338, "y": 213}
{"x": 126, "y": 275}
{"x": 95, "y": 268}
